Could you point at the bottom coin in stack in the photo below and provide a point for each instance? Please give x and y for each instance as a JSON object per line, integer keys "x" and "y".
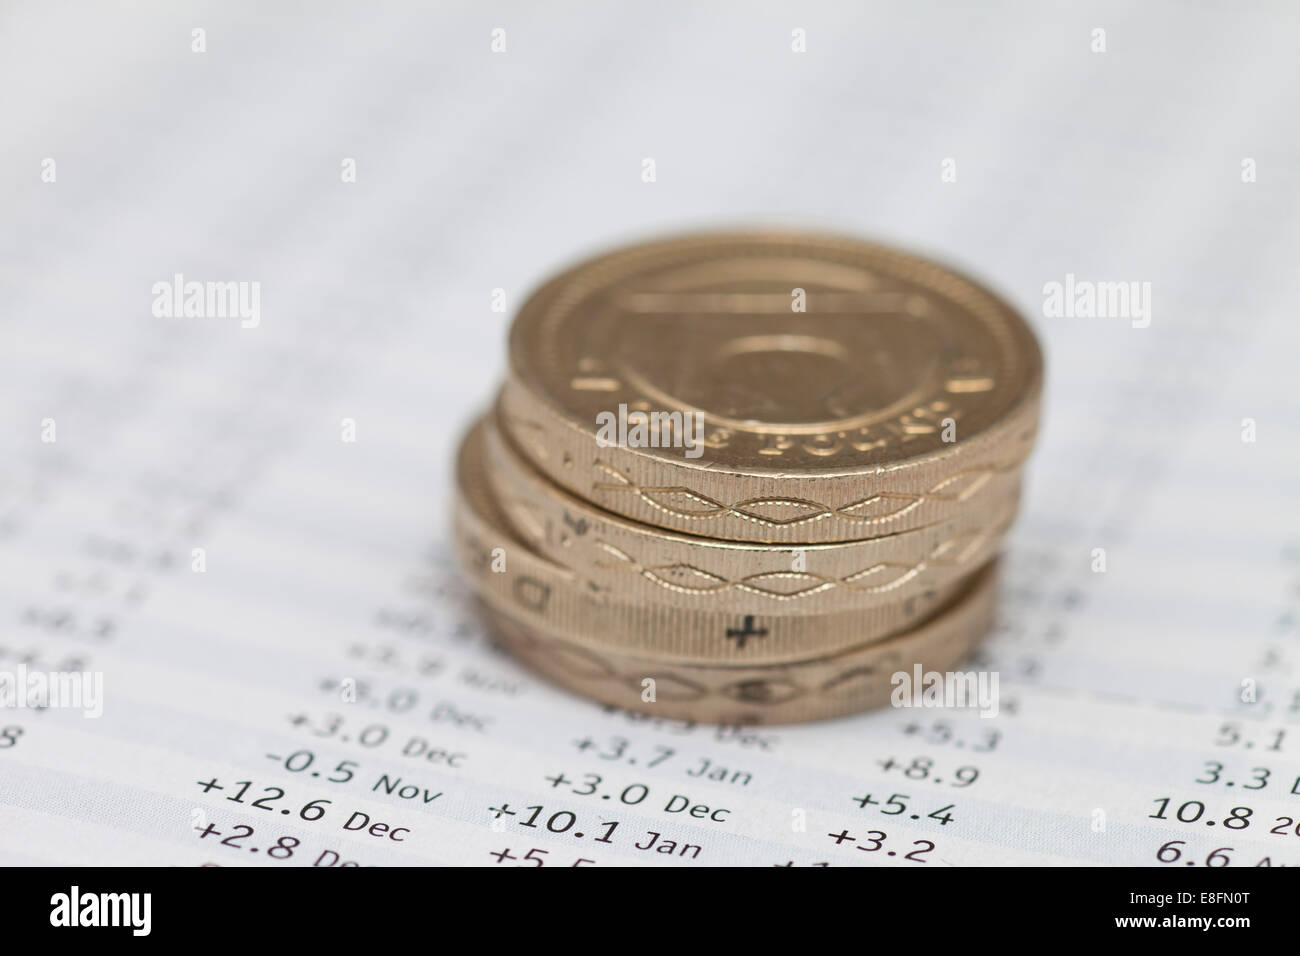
{"x": 815, "y": 688}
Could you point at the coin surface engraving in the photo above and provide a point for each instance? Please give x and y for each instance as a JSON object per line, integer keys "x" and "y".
{"x": 844, "y": 390}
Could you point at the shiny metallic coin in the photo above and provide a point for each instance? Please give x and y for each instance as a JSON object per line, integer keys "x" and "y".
{"x": 853, "y": 680}
{"x": 545, "y": 595}
{"x": 770, "y": 387}
{"x": 642, "y": 563}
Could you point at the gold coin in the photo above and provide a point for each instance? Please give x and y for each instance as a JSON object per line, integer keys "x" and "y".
{"x": 853, "y": 680}
{"x": 640, "y": 563}
{"x": 547, "y": 596}
{"x": 767, "y": 387}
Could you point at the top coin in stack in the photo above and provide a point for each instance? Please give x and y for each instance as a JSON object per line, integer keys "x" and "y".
{"x": 773, "y": 388}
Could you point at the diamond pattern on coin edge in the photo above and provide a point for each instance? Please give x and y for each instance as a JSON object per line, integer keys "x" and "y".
{"x": 743, "y": 509}
{"x": 713, "y": 508}
{"x": 910, "y": 571}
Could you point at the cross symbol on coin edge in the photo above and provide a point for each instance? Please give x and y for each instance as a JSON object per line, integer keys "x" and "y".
{"x": 747, "y": 632}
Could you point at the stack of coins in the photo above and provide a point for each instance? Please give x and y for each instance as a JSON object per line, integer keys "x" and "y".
{"x": 749, "y": 478}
